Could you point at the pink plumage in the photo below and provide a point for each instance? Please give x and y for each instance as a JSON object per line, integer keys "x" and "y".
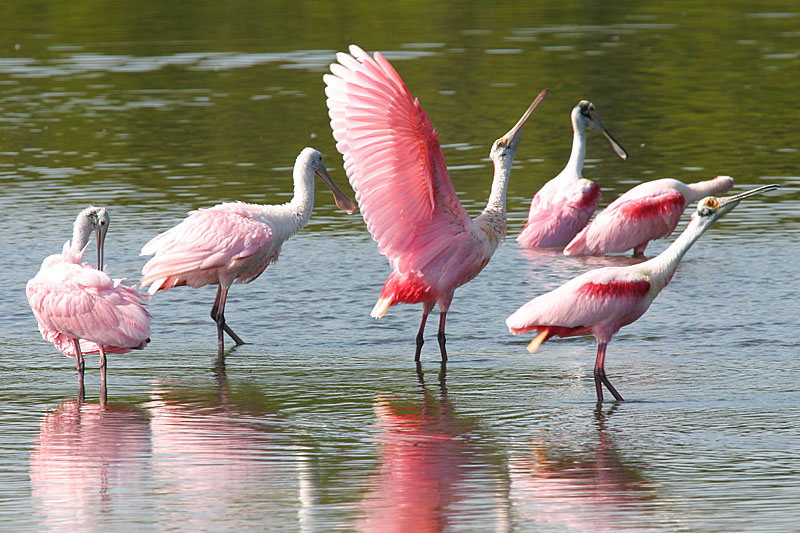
{"x": 235, "y": 242}
{"x": 647, "y": 212}
{"x": 73, "y": 302}
{"x": 396, "y": 166}
{"x": 563, "y": 206}
{"x": 602, "y": 301}
{"x": 224, "y": 243}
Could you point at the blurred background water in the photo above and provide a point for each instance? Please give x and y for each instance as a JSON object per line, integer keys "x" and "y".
{"x": 323, "y": 421}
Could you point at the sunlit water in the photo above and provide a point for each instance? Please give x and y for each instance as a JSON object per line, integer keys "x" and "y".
{"x": 322, "y": 421}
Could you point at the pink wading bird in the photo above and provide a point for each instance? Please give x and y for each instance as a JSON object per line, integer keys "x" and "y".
{"x": 234, "y": 241}
{"x": 396, "y": 166}
{"x": 563, "y": 206}
{"x": 603, "y": 300}
{"x": 80, "y": 309}
{"x": 647, "y": 212}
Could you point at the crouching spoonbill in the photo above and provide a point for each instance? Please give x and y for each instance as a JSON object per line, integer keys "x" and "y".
{"x": 649, "y": 211}
{"x": 602, "y": 301}
{"x": 396, "y": 167}
{"x": 564, "y": 205}
{"x": 234, "y": 241}
{"x": 80, "y": 309}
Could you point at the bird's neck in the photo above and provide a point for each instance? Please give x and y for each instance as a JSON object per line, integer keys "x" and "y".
{"x": 493, "y": 218}
{"x": 663, "y": 266}
{"x": 291, "y": 217}
{"x": 698, "y": 191}
{"x": 81, "y": 231}
{"x": 578, "y": 155}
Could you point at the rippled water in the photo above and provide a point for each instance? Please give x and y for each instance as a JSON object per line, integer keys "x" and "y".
{"x": 323, "y": 421}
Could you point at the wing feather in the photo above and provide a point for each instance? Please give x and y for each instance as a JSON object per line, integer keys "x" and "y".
{"x": 393, "y": 160}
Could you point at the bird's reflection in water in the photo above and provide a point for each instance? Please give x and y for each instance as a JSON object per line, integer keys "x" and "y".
{"x": 221, "y": 458}
{"x": 433, "y": 472}
{"x": 88, "y": 464}
{"x": 579, "y": 491}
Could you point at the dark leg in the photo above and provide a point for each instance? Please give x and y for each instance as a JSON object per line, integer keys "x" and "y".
{"x": 102, "y": 365}
{"x": 600, "y": 378}
{"x": 440, "y": 335}
{"x": 638, "y": 251}
{"x": 427, "y": 307}
{"x": 218, "y": 314}
{"x": 79, "y": 357}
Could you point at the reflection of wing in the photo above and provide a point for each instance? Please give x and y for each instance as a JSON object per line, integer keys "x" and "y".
{"x": 215, "y": 465}
{"x": 426, "y": 460}
{"x": 88, "y": 465}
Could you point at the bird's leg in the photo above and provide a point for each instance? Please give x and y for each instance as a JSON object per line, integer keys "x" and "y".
{"x": 638, "y": 251}
{"x": 427, "y": 307}
{"x": 600, "y": 378}
{"x": 218, "y": 314}
{"x": 102, "y": 365}
{"x": 441, "y": 336}
{"x": 79, "y": 357}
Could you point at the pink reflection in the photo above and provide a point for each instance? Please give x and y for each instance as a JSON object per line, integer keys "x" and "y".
{"x": 592, "y": 491}
{"x": 87, "y": 464}
{"x": 219, "y": 465}
{"x": 428, "y": 469}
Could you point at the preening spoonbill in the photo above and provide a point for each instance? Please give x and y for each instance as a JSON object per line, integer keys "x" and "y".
{"x": 563, "y": 206}
{"x": 396, "y": 166}
{"x": 234, "y": 241}
{"x": 603, "y": 300}
{"x": 647, "y": 212}
{"x": 80, "y": 309}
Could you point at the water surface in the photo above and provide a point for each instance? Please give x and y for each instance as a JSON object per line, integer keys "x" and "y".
{"x": 322, "y": 421}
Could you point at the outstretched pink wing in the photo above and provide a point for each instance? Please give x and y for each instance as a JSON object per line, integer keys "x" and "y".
{"x": 207, "y": 244}
{"x": 601, "y": 300}
{"x": 394, "y": 162}
{"x": 630, "y": 221}
{"x": 78, "y": 301}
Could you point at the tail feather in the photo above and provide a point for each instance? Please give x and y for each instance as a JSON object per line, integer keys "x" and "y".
{"x": 543, "y": 335}
{"x": 381, "y": 307}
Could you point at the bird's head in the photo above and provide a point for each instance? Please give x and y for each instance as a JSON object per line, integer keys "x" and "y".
{"x": 505, "y": 147}
{"x": 585, "y": 115}
{"x": 343, "y": 201}
{"x": 710, "y": 209}
{"x": 99, "y": 220}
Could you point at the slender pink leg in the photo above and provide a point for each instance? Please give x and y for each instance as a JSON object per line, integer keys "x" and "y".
{"x": 441, "y": 336}
{"x": 600, "y": 378}
{"x": 427, "y": 307}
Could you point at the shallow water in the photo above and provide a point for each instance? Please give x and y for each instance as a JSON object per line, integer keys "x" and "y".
{"x": 322, "y": 421}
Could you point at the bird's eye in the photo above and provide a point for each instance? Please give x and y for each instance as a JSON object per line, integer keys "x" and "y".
{"x": 500, "y": 144}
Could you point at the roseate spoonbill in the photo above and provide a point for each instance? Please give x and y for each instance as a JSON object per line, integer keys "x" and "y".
{"x": 80, "y": 309}
{"x": 234, "y": 241}
{"x": 602, "y": 301}
{"x": 396, "y": 166}
{"x": 647, "y": 212}
{"x": 563, "y": 206}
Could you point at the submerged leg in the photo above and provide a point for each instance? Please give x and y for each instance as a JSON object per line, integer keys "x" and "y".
{"x": 218, "y": 314}
{"x": 600, "y": 378}
{"x": 427, "y": 307}
{"x": 441, "y": 336}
